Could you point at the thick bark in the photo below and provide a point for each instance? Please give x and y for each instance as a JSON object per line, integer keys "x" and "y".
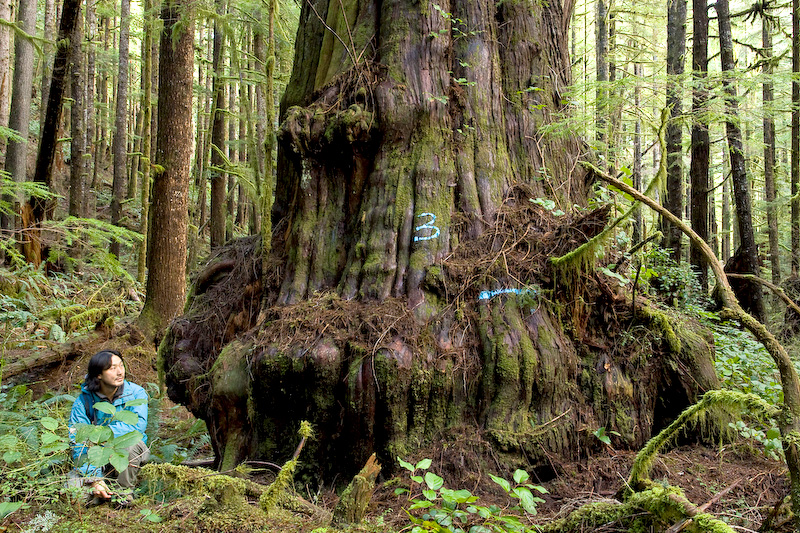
{"x": 795, "y": 164}
{"x": 5, "y": 65}
{"x": 749, "y": 293}
{"x": 91, "y": 122}
{"x": 676, "y": 50}
{"x": 700, "y": 139}
{"x": 148, "y": 50}
{"x": 769, "y": 152}
{"x": 218, "y": 205}
{"x": 119, "y": 147}
{"x": 166, "y": 260}
{"x": 601, "y": 67}
{"x": 77, "y": 176}
{"x": 409, "y": 158}
{"x": 19, "y": 120}
{"x": 70, "y": 16}
{"x": 50, "y": 25}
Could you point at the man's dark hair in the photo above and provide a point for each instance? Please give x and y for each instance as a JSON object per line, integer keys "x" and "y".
{"x": 99, "y": 362}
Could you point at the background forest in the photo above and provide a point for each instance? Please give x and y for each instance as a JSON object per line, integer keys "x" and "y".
{"x": 120, "y": 177}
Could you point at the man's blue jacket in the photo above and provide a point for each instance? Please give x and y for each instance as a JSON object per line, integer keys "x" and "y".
{"x": 83, "y": 412}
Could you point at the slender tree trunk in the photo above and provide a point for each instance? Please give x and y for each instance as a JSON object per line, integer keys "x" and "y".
{"x": 47, "y": 147}
{"x": 676, "y": 51}
{"x": 147, "y": 112}
{"x": 700, "y": 139}
{"x": 19, "y": 120}
{"x": 77, "y": 178}
{"x": 749, "y": 292}
{"x": 166, "y": 261}
{"x": 268, "y": 193}
{"x": 120, "y": 143}
{"x": 795, "y": 179}
{"x": 91, "y": 117}
{"x": 769, "y": 152}
{"x": 50, "y": 25}
{"x": 601, "y": 66}
{"x": 218, "y": 204}
{"x": 638, "y": 222}
{"x": 5, "y": 66}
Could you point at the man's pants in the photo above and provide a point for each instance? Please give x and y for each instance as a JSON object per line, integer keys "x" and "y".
{"x": 137, "y": 455}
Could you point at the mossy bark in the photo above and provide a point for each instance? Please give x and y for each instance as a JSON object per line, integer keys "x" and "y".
{"x": 406, "y": 138}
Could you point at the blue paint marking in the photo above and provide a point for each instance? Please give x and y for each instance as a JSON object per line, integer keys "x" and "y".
{"x": 486, "y": 295}
{"x": 427, "y": 225}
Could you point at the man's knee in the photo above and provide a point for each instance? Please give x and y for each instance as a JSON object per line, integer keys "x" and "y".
{"x": 138, "y": 454}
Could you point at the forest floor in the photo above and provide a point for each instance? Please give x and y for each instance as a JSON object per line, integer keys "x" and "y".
{"x": 737, "y": 481}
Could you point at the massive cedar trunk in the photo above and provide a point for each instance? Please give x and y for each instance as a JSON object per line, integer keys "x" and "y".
{"x": 412, "y": 145}
{"x": 120, "y": 143}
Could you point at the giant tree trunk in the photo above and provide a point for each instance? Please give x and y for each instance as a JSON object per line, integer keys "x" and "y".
{"x": 409, "y": 289}
{"x": 769, "y": 150}
{"x": 218, "y": 207}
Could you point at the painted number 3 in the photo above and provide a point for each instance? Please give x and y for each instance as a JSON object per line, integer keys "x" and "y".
{"x": 426, "y": 226}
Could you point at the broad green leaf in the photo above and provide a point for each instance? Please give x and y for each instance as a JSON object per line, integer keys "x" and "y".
{"x": 153, "y": 517}
{"x": 98, "y": 455}
{"x": 58, "y": 446}
{"x": 430, "y": 494}
{"x": 105, "y": 407}
{"x": 423, "y": 464}
{"x": 773, "y": 433}
{"x": 526, "y": 499}
{"x": 49, "y": 437}
{"x": 421, "y": 504}
{"x": 8, "y": 441}
{"x": 100, "y": 434}
{"x": 11, "y": 457}
{"x": 49, "y": 423}
{"x": 433, "y": 481}
{"x": 124, "y": 441}
{"x": 502, "y": 482}
{"x": 520, "y": 476}
{"x": 134, "y": 403}
{"x": 6, "y": 508}
{"x": 407, "y": 466}
{"x": 126, "y": 417}
{"x": 119, "y": 460}
{"x": 417, "y": 479}
{"x": 399, "y": 491}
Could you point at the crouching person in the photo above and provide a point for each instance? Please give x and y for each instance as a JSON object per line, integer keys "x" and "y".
{"x": 105, "y": 382}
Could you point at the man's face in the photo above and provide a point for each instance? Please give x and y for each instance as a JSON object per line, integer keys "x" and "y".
{"x": 113, "y": 376}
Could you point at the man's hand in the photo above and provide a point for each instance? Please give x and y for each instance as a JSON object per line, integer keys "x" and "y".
{"x": 101, "y": 490}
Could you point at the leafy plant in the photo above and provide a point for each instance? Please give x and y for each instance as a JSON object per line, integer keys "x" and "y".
{"x": 446, "y": 510}
{"x": 602, "y": 436}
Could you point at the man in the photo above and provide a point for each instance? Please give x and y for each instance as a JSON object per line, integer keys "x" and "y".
{"x": 105, "y": 382}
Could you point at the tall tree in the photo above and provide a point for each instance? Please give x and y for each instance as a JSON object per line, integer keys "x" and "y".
{"x": 19, "y": 119}
{"x": 166, "y": 260}
{"x": 77, "y": 177}
{"x": 700, "y": 138}
{"x": 148, "y": 50}
{"x": 35, "y": 211}
{"x": 795, "y": 164}
{"x": 676, "y": 52}
{"x": 120, "y": 143}
{"x": 218, "y": 204}
{"x": 5, "y": 63}
{"x": 748, "y": 292}
{"x": 767, "y": 94}
{"x": 601, "y": 67}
